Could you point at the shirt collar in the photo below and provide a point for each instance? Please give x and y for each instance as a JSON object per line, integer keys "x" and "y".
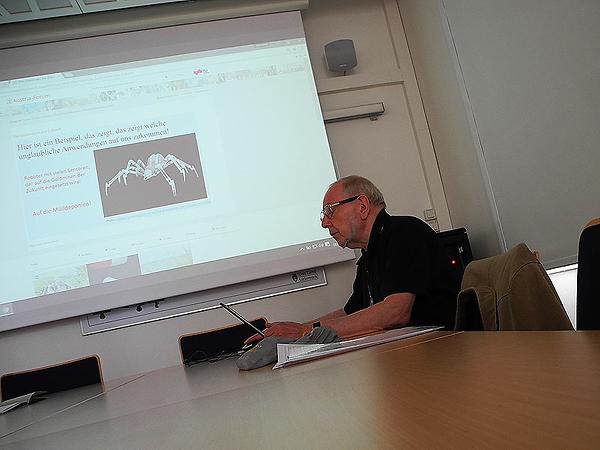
{"x": 380, "y": 221}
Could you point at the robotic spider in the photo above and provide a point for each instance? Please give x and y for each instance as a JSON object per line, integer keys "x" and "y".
{"x": 157, "y": 164}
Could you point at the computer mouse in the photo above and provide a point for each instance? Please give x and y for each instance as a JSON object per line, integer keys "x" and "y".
{"x": 263, "y": 353}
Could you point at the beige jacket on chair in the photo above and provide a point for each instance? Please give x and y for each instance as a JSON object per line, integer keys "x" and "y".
{"x": 510, "y": 292}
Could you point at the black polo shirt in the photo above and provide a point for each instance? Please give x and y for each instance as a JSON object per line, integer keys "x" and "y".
{"x": 405, "y": 255}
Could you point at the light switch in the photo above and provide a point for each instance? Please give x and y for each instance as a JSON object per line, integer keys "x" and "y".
{"x": 429, "y": 214}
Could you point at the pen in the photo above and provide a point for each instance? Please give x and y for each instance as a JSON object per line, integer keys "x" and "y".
{"x": 242, "y": 318}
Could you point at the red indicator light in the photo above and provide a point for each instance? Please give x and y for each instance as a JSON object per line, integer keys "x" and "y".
{"x": 453, "y": 261}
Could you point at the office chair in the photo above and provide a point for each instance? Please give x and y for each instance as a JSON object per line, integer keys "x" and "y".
{"x": 208, "y": 345}
{"x": 511, "y": 291}
{"x": 55, "y": 378}
{"x": 588, "y": 277}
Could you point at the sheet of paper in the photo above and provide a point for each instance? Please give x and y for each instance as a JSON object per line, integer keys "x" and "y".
{"x": 287, "y": 351}
{"x": 24, "y": 399}
{"x": 7, "y": 408}
{"x": 288, "y": 354}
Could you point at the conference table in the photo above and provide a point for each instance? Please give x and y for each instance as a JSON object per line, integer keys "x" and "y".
{"x": 437, "y": 390}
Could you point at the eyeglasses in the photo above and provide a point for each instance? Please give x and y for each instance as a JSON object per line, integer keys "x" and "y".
{"x": 329, "y": 208}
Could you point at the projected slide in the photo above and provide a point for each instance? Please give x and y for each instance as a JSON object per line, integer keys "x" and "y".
{"x": 202, "y": 163}
{"x": 113, "y": 269}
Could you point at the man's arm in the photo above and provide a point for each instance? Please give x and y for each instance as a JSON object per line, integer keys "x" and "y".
{"x": 393, "y": 312}
{"x": 293, "y": 330}
{"x": 331, "y": 315}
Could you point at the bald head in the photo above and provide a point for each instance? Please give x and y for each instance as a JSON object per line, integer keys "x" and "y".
{"x": 357, "y": 185}
{"x": 354, "y": 203}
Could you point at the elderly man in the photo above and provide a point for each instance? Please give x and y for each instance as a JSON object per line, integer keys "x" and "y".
{"x": 404, "y": 276}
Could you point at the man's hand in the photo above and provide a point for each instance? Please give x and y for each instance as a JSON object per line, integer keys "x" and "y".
{"x": 292, "y": 330}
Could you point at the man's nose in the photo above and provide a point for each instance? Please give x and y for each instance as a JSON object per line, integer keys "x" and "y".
{"x": 325, "y": 222}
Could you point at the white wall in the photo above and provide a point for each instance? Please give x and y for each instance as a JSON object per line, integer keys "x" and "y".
{"x": 455, "y": 145}
{"x": 564, "y": 280}
{"x": 513, "y": 86}
{"x": 396, "y": 152}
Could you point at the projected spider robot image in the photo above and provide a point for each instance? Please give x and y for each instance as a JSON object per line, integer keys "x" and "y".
{"x": 156, "y": 165}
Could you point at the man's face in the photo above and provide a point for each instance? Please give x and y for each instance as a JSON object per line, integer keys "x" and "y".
{"x": 343, "y": 223}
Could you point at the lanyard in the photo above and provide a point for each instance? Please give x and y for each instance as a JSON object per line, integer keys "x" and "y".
{"x": 368, "y": 280}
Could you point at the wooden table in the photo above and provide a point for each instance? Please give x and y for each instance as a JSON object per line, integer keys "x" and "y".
{"x": 441, "y": 390}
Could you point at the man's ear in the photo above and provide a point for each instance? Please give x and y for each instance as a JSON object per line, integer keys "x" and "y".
{"x": 365, "y": 206}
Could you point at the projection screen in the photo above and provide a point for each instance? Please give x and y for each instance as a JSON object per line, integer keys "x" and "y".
{"x": 144, "y": 165}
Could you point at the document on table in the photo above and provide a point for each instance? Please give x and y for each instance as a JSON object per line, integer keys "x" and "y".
{"x": 288, "y": 354}
{"x": 25, "y": 399}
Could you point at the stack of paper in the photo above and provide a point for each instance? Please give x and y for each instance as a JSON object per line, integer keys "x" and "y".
{"x": 288, "y": 354}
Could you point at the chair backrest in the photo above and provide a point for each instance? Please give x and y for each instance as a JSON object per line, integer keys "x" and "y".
{"x": 511, "y": 291}
{"x": 588, "y": 277}
{"x": 221, "y": 341}
{"x": 55, "y": 378}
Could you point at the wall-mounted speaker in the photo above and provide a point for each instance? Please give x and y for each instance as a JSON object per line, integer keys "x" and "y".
{"x": 340, "y": 55}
